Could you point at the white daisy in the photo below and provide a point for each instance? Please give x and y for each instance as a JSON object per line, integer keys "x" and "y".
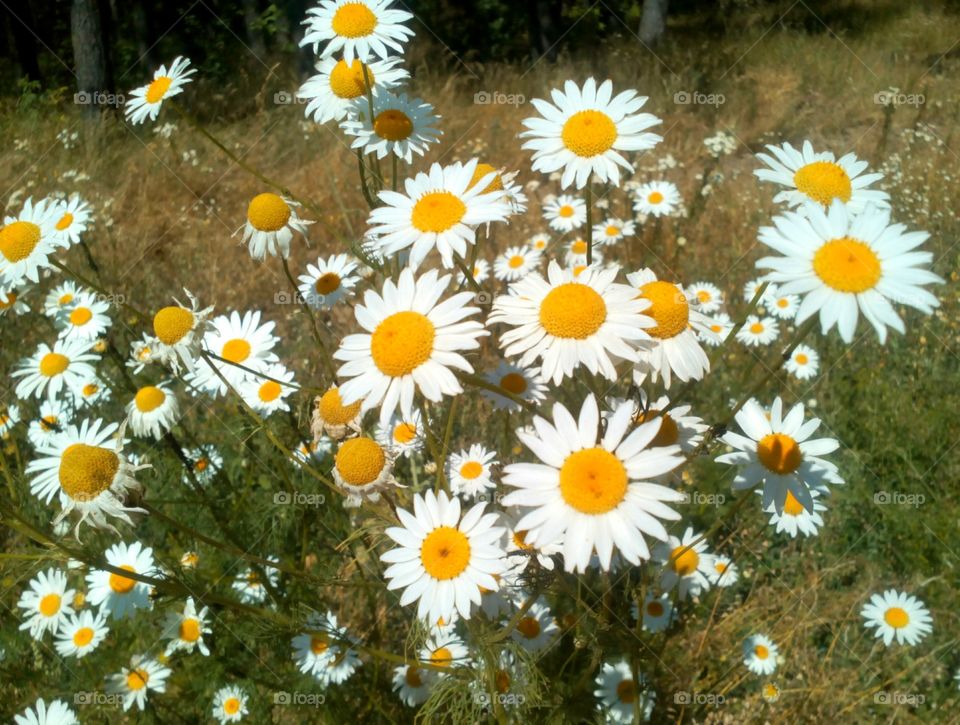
{"x": 269, "y": 393}
{"x": 784, "y": 306}
{"x": 725, "y": 572}
{"x": 897, "y": 615}
{"x": 363, "y": 469}
{"x": 618, "y": 693}
{"x": 524, "y": 382}
{"x": 334, "y": 661}
{"x": 687, "y": 564}
{"x": 519, "y": 552}
{"x": 612, "y": 231}
{"x": 401, "y": 126}
{"x": 751, "y": 288}
{"x": 536, "y": 629}
{"x": 404, "y": 436}
{"x": 565, "y": 213}
{"x": 515, "y": 263}
{"x": 328, "y": 281}
{"x": 56, "y": 713}
{"x": 757, "y": 331}
{"x": 795, "y": 518}
{"x": 82, "y": 633}
{"x": 145, "y": 102}
{"x": 153, "y": 411}
{"x": 539, "y": 242}
{"x": 91, "y": 392}
{"x": 9, "y": 417}
{"x": 142, "y": 352}
{"x": 804, "y": 362}
{"x": 337, "y": 83}
{"x": 760, "y": 654}
{"x": 27, "y": 241}
{"x": 50, "y": 370}
{"x": 185, "y": 629}
{"x": 230, "y": 704}
{"x": 61, "y": 296}
{"x": 470, "y": 471}
{"x": 586, "y": 130}
{"x": 658, "y": 612}
{"x": 445, "y": 651}
{"x": 359, "y": 29}
{"x": 73, "y": 220}
{"x": 677, "y": 426}
{"x": 46, "y": 604}
{"x": 716, "y": 330}
{"x": 657, "y": 198}
{"x": 117, "y": 595}
{"x": 11, "y": 301}
{"x": 134, "y": 683}
{"x": 706, "y": 297}
{"x": 271, "y": 223}
{"x": 332, "y": 418}
{"x": 250, "y": 586}
{"x": 239, "y": 340}
{"x": 179, "y": 331}
{"x": 481, "y": 270}
{"x": 205, "y": 462}
{"x": 411, "y": 684}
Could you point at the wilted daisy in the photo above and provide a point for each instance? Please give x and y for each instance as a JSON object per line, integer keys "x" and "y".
{"x": 658, "y": 612}
{"x": 565, "y": 213}
{"x": 804, "y": 362}
{"x": 337, "y": 83}
{"x": 469, "y": 471}
{"x": 230, "y": 704}
{"x": 807, "y": 175}
{"x": 185, "y": 629}
{"x": 778, "y": 452}
{"x": 618, "y": 693}
{"x": 178, "y": 331}
{"x": 88, "y": 469}
{"x": 897, "y": 615}
{"x": 328, "y": 281}
{"x": 411, "y": 342}
{"x": 593, "y": 496}
{"x": 134, "y": 683}
{"x": 612, "y": 231}
{"x": 515, "y": 263}
{"x": 760, "y": 654}
{"x": 411, "y": 684}
{"x": 26, "y": 242}
{"x": 238, "y": 340}
{"x": 118, "y": 595}
{"x": 687, "y": 564}
{"x": 437, "y": 210}
{"x": 401, "y": 126}
{"x": 536, "y": 629}
{"x": 363, "y": 469}
{"x": 72, "y": 222}
{"x": 153, "y": 411}
{"x": 81, "y": 633}
{"x": 725, "y": 572}
{"x": 205, "y": 462}
{"x": 267, "y": 392}
{"x": 46, "y": 604}
{"x": 331, "y": 417}
{"x": 524, "y": 382}
{"x": 795, "y": 518}
{"x": 757, "y": 331}
{"x": 56, "y": 713}
{"x": 403, "y": 436}
{"x": 271, "y": 223}
{"x": 658, "y": 198}
{"x": 145, "y": 102}
{"x": 568, "y": 322}
{"x": 586, "y": 130}
{"x": 51, "y": 369}
{"x": 706, "y": 297}
{"x": 843, "y": 263}
{"x": 443, "y": 559}
{"x": 358, "y": 29}
{"x": 250, "y": 586}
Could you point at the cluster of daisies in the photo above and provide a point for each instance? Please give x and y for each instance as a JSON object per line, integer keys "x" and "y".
{"x": 574, "y": 483}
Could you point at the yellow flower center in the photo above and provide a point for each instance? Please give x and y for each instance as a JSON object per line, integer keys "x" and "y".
{"x": 18, "y": 240}
{"x": 779, "y": 453}
{"x": 703, "y": 296}
{"x": 588, "y": 133}
{"x": 756, "y": 328}
{"x": 65, "y": 299}
{"x": 684, "y": 560}
{"x": 82, "y": 637}
{"x": 516, "y": 261}
{"x": 90, "y": 389}
{"x": 481, "y": 171}
{"x": 824, "y": 181}
{"x": 354, "y": 20}
{"x": 402, "y": 343}
{"x": 231, "y": 706}
{"x": 791, "y": 506}
{"x": 149, "y": 399}
{"x": 319, "y": 645}
{"x": 627, "y": 692}
{"x": 761, "y": 652}
{"x": 593, "y": 481}
{"x": 268, "y": 212}
{"x": 269, "y": 391}
{"x": 442, "y": 657}
{"x": 655, "y": 197}
{"x": 668, "y": 433}
{"x": 393, "y": 125}
{"x": 668, "y": 308}
{"x": 87, "y": 471}
{"x": 655, "y": 609}
{"x": 437, "y": 211}
{"x": 53, "y": 363}
{"x": 236, "y": 350}
{"x": 158, "y": 89}
{"x": 896, "y": 617}
{"x": 412, "y": 676}
{"x": 404, "y": 432}
{"x": 65, "y": 221}
{"x": 327, "y": 283}
{"x": 445, "y": 553}
{"x": 578, "y": 247}
{"x": 49, "y": 423}
{"x": 520, "y": 539}
{"x": 471, "y": 470}
{"x": 121, "y": 584}
{"x": 50, "y": 605}
{"x": 501, "y": 681}
{"x": 514, "y": 383}
{"x": 334, "y": 412}
{"x": 10, "y": 301}
{"x": 720, "y": 567}
{"x": 137, "y": 679}
{"x": 847, "y": 265}
{"x": 171, "y": 324}
{"x": 783, "y": 303}
{"x": 347, "y": 81}
{"x": 190, "y": 630}
{"x": 572, "y": 310}
{"x": 566, "y": 211}
{"x": 613, "y": 231}
{"x": 80, "y": 316}
{"x": 801, "y": 359}
{"x": 529, "y": 627}
{"x": 360, "y": 461}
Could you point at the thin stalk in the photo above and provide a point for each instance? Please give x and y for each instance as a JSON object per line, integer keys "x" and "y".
{"x": 588, "y": 195}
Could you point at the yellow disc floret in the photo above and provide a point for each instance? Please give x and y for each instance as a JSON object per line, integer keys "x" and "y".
{"x": 589, "y": 133}
{"x": 236, "y": 350}
{"x": 122, "y": 584}
{"x": 402, "y": 343}
{"x": 347, "y": 81}
{"x": 437, "y": 211}
{"x": 668, "y": 308}
{"x": 171, "y": 324}
{"x": 593, "y": 481}
{"x": 80, "y": 316}
{"x": 496, "y": 184}
{"x": 149, "y": 398}
{"x": 393, "y": 124}
{"x": 445, "y": 553}
{"x": 49, "y": 604}
{"x": 333, "y": 411}
{"x": 158, "y": 89}
{"x": 268, "y": 212}
{"x": 327, "y": 283}
{"x": 359, "y": 461}
{"x": 684, "y": 560}
{"x": 53, "y": 363}
{"x": 87, "y": 471}
{"x": 779, "y": 453}
{"x": 847, "y": 265}
{"x": 572, "y": 310}
{"x": 824, "y": 181}
{"x": 896, "y": 617}
{"x": 353, "y": 20}
{"x": 18, "y": 240}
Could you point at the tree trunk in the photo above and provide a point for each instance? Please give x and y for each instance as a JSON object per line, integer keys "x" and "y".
{"x": 251, "y": 14}
{"x": 23, "y": 29}
{"x": 543, "y": 22}
{"x": 89, "y": 59}
{"x": 653, "y": 22}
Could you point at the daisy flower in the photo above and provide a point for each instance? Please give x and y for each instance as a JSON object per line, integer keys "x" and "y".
{"x": 565, "y": 213}
{"x": 189, "y": 560}
{"x": 358, "y": 29}
{"x": 73, "y": 220}
{"x": 897, "y": 615}
{"x": 52, "y": 369}
{"x": 250, "y": 586}
{"x": 444, "y": 651}
{"x": 178, "y": 331}
{"x": 443, "y": 559}
{"x": 576, "y": 255}
{"x": 481, "y": 270}
{"x": 153, "y": 411}
{"x": 411, "y": 342}
{"x": 338, "y": 661}
{"x": 331, "y": 91}
{"x": 26, "y": 242}
{"x": 536, "y": 629}
{"x": 568, "y": 321}
{"x": 238, "y": 340}
{"x": 205, "y": 462}
{"x": 658, "y": 612}
{"x": 230, "y": 704}
{"x": 503, "y": 182}
{"x": 328, "y": 281}
{"x": 515, "y": 263}
{"x": 751, "y": 288}
{"x": 9, "y": 417}
{"x": 843, "y": 263}
{"x": 145, "y": 102}
{"x": 820, "y": 177}
{"x": 61, "y": 296}
{"x": 784, "y": 306}
{"x": 612, "y": 231}
{"x": 524, "y": 382}
{"x": 618, "y": 693}
{"x": 265, "y": 394}
{"x": 438, "y": 210}
{"x": 804, "y": 362}
{"x": 46, "y": 604}
{"x": 519, "y": 552}
{"x": 86, "y": 466}
{"x": 411, "y": 685}
{"x": 589, "y": 495}
{"x": 91, "y": 392}
{"x": 56, "y": 713}
{"x": 363, "y": 468}
{"x": 401, "y": 126}
{"x": 142, "y": 352}
{"x": 82, "y": 633}
{"x": 706, "y": 297}
{"x": 657, "y": 198}
{"x": 725, "y": 572}
{"x": 795, "y": 518}
{"x": 134, "y": 683}
{"x": 586, "y": 130}
{"x": 313, "y": 652}
{"x": 405, "y": 437}
{"x": 271, "y": 223}
{"x": 687, "y": 564}
{"x": 117, "y": 595}
{"x": 716, "y": 329}
{"x": 185, "y": 629}
{"x": 675, "y": 349}
{"x": 778, "y": 451}
{"x": 469, "y": 471}
{"x": 677, "y": 426}
{"x": 539, "y": 242}
{"x": 11, "y": 301}
{"x": 760, "y": 655}
{"x": 331, "y": 417}
{"x": 757, "y": 331}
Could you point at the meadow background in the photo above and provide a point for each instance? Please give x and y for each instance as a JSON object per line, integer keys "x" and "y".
{"x": 166, "y": 208}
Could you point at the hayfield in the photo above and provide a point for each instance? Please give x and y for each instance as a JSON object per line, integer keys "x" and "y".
{"x": 167, "y": 208}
